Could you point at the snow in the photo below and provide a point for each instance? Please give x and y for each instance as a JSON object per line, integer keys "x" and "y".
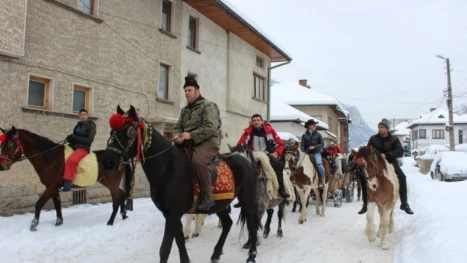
{"x": 439, "y": 116}
{"x": 285, "y": 136}
{"x": 461, "y": 147}
{"x": 429, "y": 152}
{"x": 450, "y": 162}
{"x": 293, "y": 93}
{"x": 281, "y": 111}
{"x": 255, "y": 26}
{"x": 435, "y": 233}
{"x": 401, "y": 129}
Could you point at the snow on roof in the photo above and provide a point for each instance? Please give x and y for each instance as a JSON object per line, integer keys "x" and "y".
{"x": 331, "y": 134}
{"x": 401, "y": 129}
{"x": 293, "y": 93}
{"x": 280, "y": 111}
{"x": 256, "y": 27}
{"x": 438, "y": 116}
{"x": 285, "y": 136}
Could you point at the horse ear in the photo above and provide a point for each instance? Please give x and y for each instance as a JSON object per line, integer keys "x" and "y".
{"x": 132, "y": 113}
{"x": 230, "y": 147}
{"x": 120, "y": 111}
{"x": 353, "y": 152}
{"x": 3, "y": 131}
{"x": 13, "y": 129}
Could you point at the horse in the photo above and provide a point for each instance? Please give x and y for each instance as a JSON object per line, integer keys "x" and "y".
{"x": 383, "y": 192}
{"x": 305, "y": 175}
{"x": 171, "y": 181}
{"x": 48, "y": 159}
{"x": 263, "y": 200}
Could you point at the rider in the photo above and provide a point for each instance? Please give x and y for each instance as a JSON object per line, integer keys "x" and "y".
{"x": 261, "y": 137}
{"x": 312, "y": 143}
{"x": 199, "y": 121}
{"x": 334, "y": 149}
{"x": 80, "y": 140}
{"x": 390, "y": 148}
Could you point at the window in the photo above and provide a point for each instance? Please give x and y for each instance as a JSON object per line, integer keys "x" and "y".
{"x": 260, "y": 91}
{"x": 259, "y": 62}
{"x": 422, "y": 133}
{"x": 81, "y": 98}
{"x": 38, "y": 92}
{"x": 166, "y": 15}
{"x": 461, "y": 136}
{"x": 86, "y": 6}
{"x": 438, "y": 134}
{"x": 193, "y": 33}
{"x": 163, "y": 82}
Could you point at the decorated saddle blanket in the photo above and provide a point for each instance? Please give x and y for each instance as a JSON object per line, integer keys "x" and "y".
{"x": 224, "y": 185}
{"x": 272, "y": 182}
{"x": 86, "y": 174}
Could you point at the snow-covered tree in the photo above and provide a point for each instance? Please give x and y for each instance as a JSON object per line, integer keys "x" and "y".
{"x": 407, "y": 146}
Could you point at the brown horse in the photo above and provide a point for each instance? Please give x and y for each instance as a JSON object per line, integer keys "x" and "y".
{"x": 383, "y": 192}
{"x": 48, "y": 159}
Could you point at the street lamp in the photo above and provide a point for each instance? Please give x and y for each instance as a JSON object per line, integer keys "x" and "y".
{"x": 449, "y": 102}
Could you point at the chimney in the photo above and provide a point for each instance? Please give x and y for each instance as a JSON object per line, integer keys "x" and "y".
{"x": 303, "y": 82}
{"x": 432, "y": 109}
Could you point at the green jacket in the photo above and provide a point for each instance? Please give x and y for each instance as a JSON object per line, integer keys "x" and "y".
{"x": 202, "y": 120}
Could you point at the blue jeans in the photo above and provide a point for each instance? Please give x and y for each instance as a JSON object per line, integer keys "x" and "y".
{"x": 319, "y": 163}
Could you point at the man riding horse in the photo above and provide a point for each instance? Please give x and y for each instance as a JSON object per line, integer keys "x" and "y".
{"x": 261, "y": 137}
{"x": 390, "y": 148}
{"x": 199, "y": 121}
{"x": 312, "y": 143}
{"x": 80, "y": 140}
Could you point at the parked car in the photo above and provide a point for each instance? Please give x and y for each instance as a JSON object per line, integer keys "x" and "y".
{"x": 449, "y": 166}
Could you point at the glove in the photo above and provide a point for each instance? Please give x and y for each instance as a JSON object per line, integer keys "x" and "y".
{"x": 69, "y": 138}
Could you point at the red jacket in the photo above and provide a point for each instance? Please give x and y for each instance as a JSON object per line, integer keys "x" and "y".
{"x": 270, "y": 134}
{"x": 334, "y": 151}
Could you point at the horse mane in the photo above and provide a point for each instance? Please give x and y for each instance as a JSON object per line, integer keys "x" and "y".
{"x": 364, "y": 151}
{"x": 42, "y": 142}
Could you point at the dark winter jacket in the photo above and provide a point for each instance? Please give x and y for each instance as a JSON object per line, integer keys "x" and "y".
{"x": 83, "y": 135}
{"x": 390, "y": 146}
{"x": 312, "y": 139}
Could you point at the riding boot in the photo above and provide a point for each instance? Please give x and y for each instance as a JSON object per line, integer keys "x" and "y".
{"x": 66, "y": 187}
{"x": 320, "y": 183}
{"x": 208, "y": 200}
{"x": 282, "y": 191}
{"x": 364, "y": 195}
{"x": 277, "y": 166}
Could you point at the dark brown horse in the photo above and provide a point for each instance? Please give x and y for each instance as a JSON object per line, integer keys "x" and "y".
{"x": 171, "y": 182}
{"x": 48, "y": 159}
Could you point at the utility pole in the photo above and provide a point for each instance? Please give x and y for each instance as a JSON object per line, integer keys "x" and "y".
{"x": 449, "y": 101}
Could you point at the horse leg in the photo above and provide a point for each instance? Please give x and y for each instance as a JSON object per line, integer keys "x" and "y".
{"x": 267, "y": 227}
{"x": 199, "y": 221}
{"x": 122, "y": 205}
{"x": 325, "y": 199}
{"x": 172, "y": 224}
{"x": 226, "y": 225}
{"x": 385, "y": 219}
{"x": 48, "y": 193}
{"x": 380, "y": 212}
{"x": 58, "y": 209}
{"x": 318, "y": 201}
{"x": 370, "y": 230}
{"x": 294, "y": 208}
{"x": 117, "y": 198}
{"x": 280, "y": 215}
{"x": 391, "y": 222}
{"x": 180, "y": 241}
{"x": 187, "y": 229}
{"x": 304, "y": 198}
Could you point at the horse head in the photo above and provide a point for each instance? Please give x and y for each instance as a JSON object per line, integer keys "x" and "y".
{"x": 243, "y": 150}
{"x": 11, "y": 148}
{"x": 125, "y": 128}
{"x": 371, "y": 163}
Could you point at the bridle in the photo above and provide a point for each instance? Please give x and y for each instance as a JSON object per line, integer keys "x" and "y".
{"x": 363, "y": 164}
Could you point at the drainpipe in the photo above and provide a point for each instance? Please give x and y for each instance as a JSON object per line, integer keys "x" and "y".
{"x": 269, "y": 88}
{"x": 228, "y": 71}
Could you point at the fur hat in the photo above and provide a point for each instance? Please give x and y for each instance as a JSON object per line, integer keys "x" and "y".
{"x": 385, "y": 123}
{"x": 310, "y": 121}
{"x": 190, "y": 81}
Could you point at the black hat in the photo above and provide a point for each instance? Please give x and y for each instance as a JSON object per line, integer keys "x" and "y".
{"x": 385, "y": 123}
{"x": 310, "y": 121}
{"x": 190, "y": 81}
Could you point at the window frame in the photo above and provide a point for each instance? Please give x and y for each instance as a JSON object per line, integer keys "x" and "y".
{"x": 167, "y": 79}
{"x": 264, "y": 95}
{"x": 419, "y": 134}
{"x": 47, "y": 82}
{"x": 433, "y": 134}
{"x": 259, "y": 62}
{"x": 87, "y": 97}
{"x": 169, "y": 16}
{"x": 193, "y": 35}
{"x": 91, "y": 8}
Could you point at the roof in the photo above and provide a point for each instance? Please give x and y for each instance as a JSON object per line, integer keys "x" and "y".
{"x": 401, "y": 129}
{"x": 285, "y": 136}
{"x": 280, "y": 111}
{"x": 294, "y": 94}
{"x": 224, "y": 14}
{"x": 438, "y": 116}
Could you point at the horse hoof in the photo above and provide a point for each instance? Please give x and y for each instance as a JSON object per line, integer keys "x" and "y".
{"x": 265, "y": 235}
{"x": 195, "y": 235}
{"x": 215, "y": 260}
{"x": 187, "y": 237}
{"x": 301, "y": 221}
{"x": 251, "y": 259}
{"x": 33, "y": 228}
{"x": 124, "y": 217}
{"x": 280, "y": 234}
{"x": 246, "y": 246}
{"x": 59, "y": 222}
{"x": 372, "y": 239}
{"x": 385, "y": 246}
{"x": 110, "y": 223}
{"x": 293, "y": 210}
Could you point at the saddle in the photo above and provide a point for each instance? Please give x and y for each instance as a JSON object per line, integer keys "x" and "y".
{"x": 212, "y": 165}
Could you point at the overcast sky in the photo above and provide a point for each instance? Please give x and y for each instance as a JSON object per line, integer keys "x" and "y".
{"x": 377, "y": 55}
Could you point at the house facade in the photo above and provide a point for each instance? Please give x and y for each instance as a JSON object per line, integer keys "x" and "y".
{"x": 60, "y": 56}
{"x": 430, "y": 129}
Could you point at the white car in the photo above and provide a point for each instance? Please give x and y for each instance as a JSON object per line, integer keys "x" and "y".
{"x": 449, "y": 166}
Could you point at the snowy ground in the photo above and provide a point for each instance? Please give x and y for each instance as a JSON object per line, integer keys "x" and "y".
{"x": 433, "y": 234}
